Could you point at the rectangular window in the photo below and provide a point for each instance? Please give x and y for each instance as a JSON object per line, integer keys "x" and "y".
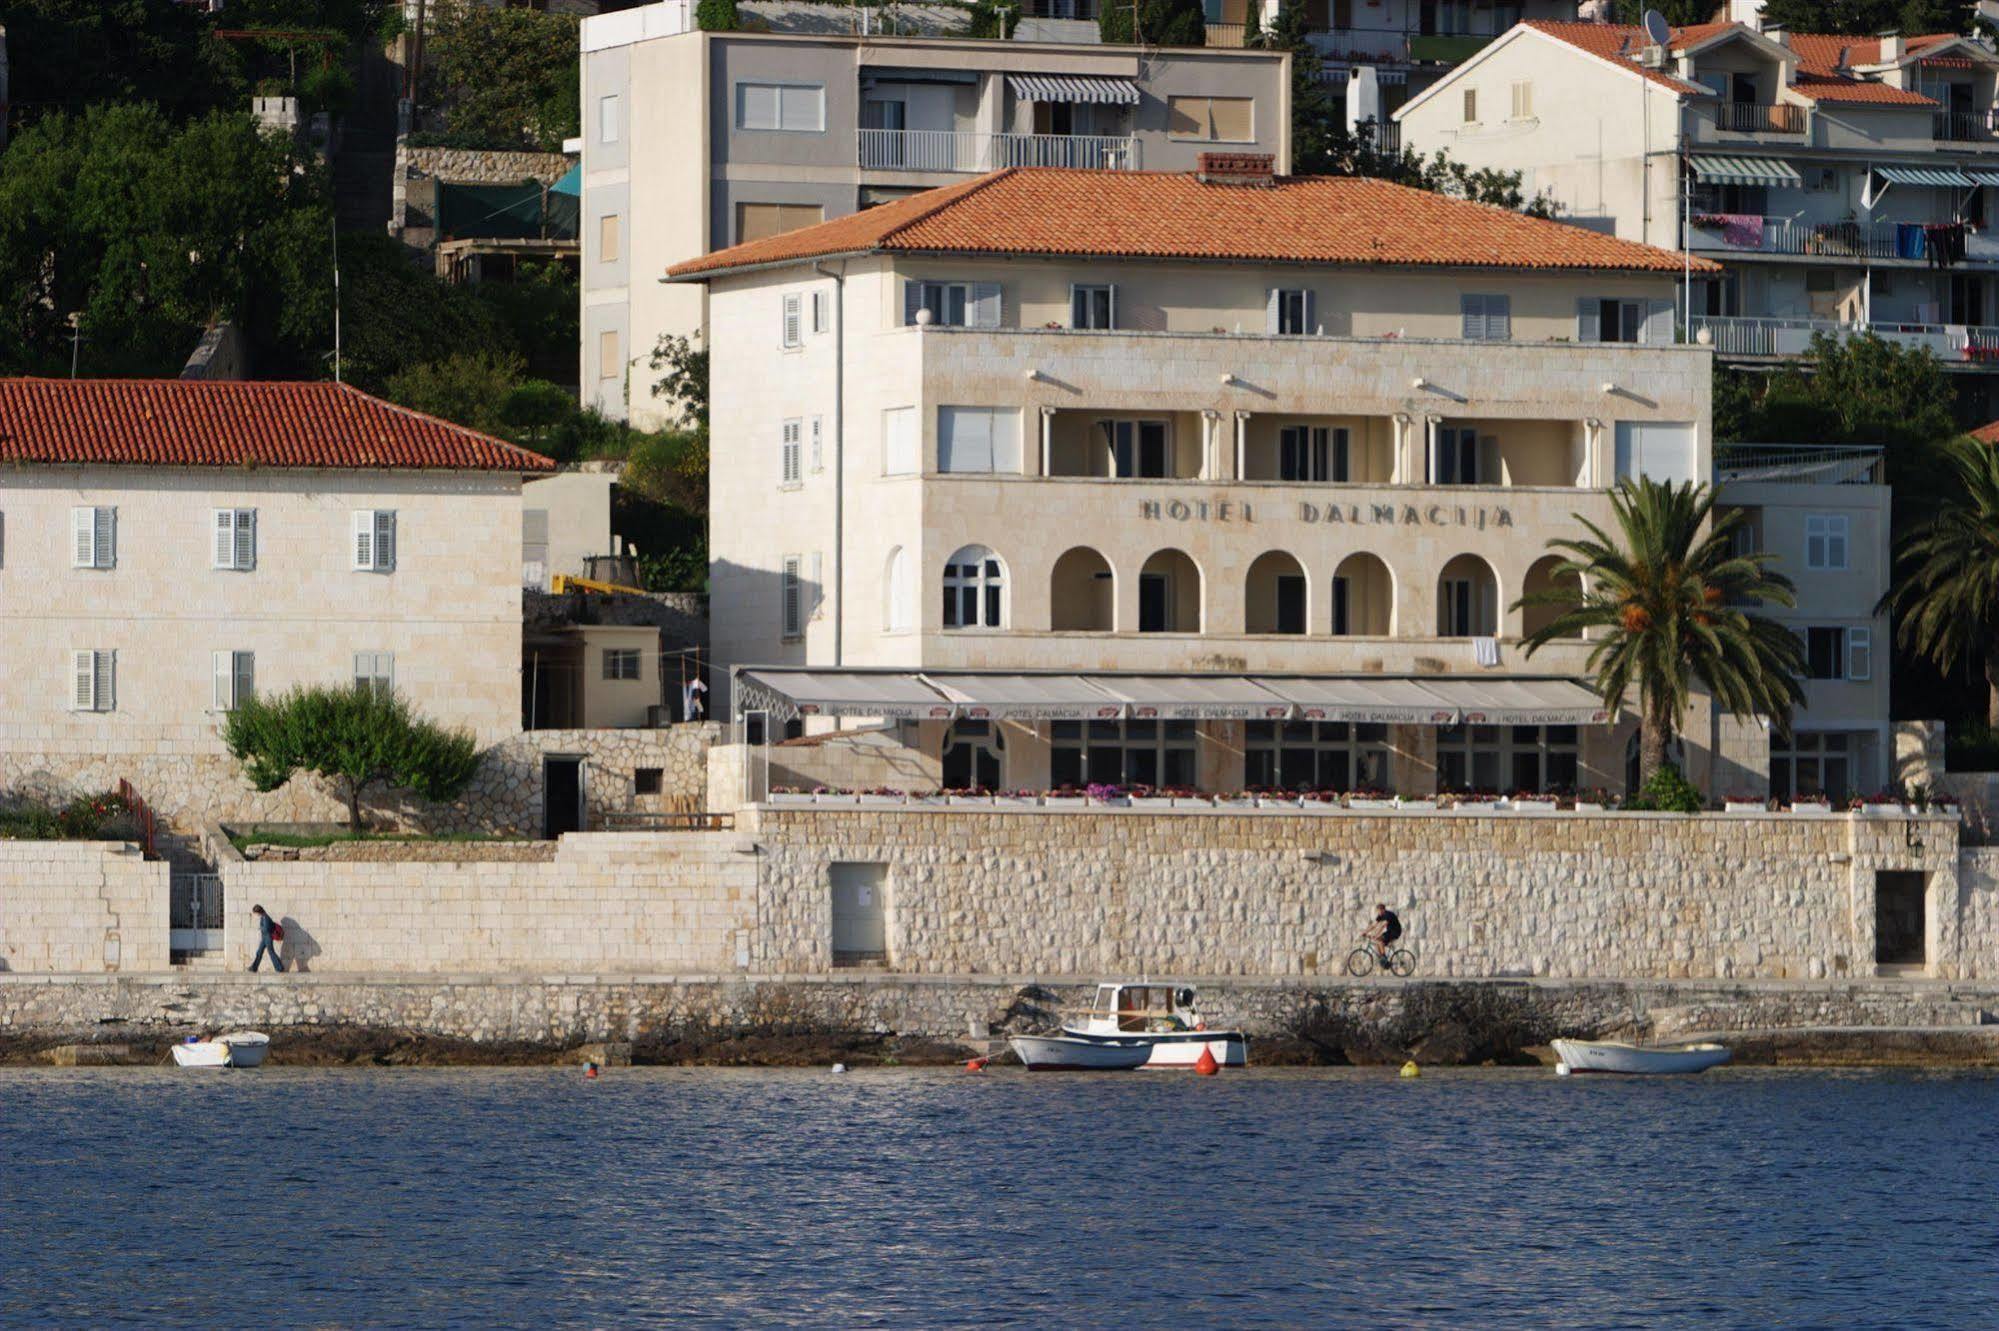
{"x": 1138, "y": 448}
{"x": 1523, "y": 101}
{"x": 953, "y": 304}
{"x": 1661, "y": 450}
{"x": 899, "y": 442}
{"x": 1093, "y": 307}
{"x": 235, "y": 680}
{"x": 607, "y": 238}
{"x": 1211, "y": 119}
{"x": 1507, "y": 760}
{"x": 375, "y": 540}
{"x": 95, "y": 533}
{"x": 1123, "y": 753}
{"x": 792, "y": 609}
{"x": 1315, "y": 755}
{"x": 822, "y": 312}
{"x": 978, "y": 439}
{"x": 1290, "y": 312}
{"x": 621, "y": 663}
{"x": 609, "y": 363}
{"x": 818, "y": 443}
{"x": 607, "y": 119}
{"x": 1860, "y": 654}
{"x": 648, "y": 780}
{"x": 1486, "y": 318}
{"x": 375, "y": 670}
{"x": 1312, "y": 453}
{"x": 94, "y": 681}
{"x": 1825, "y": 653}
{"x": 236, "y": 538}
{"x": 1456, "y": 457}
{"x": 1822, "y": 179}
{"x": 1471, "y": 106}
{"x": 788, "y": 107}
{"x": 1811, "y": 763}
{"x": 1826, "y": 542}
{"x": 794, "y": 328}
{"x": 761, "y": 221}
{"x": 789, "y": 469}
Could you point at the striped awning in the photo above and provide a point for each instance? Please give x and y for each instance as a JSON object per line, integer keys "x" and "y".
{"x": 1063, "y": 88}
{"x": 1984, "y": 177}
{"x": 1934, "y": 177}
{"x": 1744, "y": 171}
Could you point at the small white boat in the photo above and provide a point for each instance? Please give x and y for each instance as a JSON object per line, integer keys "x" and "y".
{"x": 1063, "y": 1053}
{"x": 238, "y": 1049}
{"x": 1162, "y": 1017}
{"x": 1637, "y": 1060}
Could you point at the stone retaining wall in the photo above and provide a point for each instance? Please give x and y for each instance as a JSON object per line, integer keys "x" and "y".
{"x": 81, "y": 906}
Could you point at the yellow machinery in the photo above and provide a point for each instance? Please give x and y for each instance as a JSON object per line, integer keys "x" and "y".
{"x": 563, "y": 582}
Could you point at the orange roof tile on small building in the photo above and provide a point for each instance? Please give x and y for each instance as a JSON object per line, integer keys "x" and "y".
{"x": 1619, "y": 43}
{"x": 216, "y": 423}
{"x": 1327, "y": 220}
{"x": 1987, "y": 433}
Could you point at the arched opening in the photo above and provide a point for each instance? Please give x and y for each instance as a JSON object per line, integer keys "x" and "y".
{"x": 974, "y": 590}
{"x": 1543, "y": 577}
{"x": 1169, "y": 594}
{"x": 1467, "y": 599}
{"x": 1274, "y": 595}
{"x": 898, "y": 603}
{"x": 1082, "y": 593}
{"x": 1363, "y": 598}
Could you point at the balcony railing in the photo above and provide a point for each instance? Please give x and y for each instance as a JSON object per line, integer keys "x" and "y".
{"x": 1966, "y": 126}
{"x": 955, "y": 150}
{"x": 1798, "y": 464}
{"x": 1229, "y": 35}
{"x": 1793, "y": 337}
{"x": 1746, "y": 233}
{"x": 1751, "y": 118}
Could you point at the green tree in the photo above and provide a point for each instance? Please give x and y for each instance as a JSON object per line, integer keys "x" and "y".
{"x": 1679, "y": 13}
{"x": 505, "y": 77}
{"x": 717, "y": 16}
{"x": 68, "y": 54}
{"x": 472, "y": 389}
{"x": 670, "y": 469}
{"x": 538, "y": 311}
{"x": 1946, "y": 592}
{"x": 1153, "y": 22}
{"x": 359, "y": 738}
{"x": 396, "y": 314}
{"x": 685, "y": 381}
{"x": 532, "y": 410}
{"x": 1864, "y": 18}
{"x": 1666, "y": 601}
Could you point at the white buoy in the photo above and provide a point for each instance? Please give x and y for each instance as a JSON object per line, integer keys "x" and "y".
{"x": 839, "y": 1067}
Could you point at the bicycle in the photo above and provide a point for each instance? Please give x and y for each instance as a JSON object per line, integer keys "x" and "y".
{"x": 1364, "y": 960}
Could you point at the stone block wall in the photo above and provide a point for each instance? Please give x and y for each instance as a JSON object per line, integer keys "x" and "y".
{"x": 853, "y": 760}
{"x": 417, "y": 171}
{"x": 81, "y": 906}
{"x": 605, "y": 902}
{"x": 1976, "y": 925}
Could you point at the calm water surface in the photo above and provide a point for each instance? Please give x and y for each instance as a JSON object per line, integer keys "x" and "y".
{"x": 931, "y": 1198}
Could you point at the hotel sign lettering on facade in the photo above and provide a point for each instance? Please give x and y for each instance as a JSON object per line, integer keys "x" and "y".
{"x": 1359, "y": 515}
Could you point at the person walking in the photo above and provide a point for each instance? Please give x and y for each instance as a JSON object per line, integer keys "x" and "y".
{"x": 269, "y": 934}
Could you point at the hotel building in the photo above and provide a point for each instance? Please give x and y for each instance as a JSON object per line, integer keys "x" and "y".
{"x": 1215, "y": 479}
{"x": 1842, "y": 184}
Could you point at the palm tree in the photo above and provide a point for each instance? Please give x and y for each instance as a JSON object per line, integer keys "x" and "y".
{"x": 1668, "y": 602}
{"x": 1947, "y": 594}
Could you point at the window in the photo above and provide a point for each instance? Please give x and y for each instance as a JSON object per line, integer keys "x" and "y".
{"x": 974, "y": 590}
{"x": 1137, "y": 448}
{"x": 788, "y": 460}
{"x": 1505, "y": 759}
{"x": 609, "y": 363}
{"x": 621, "y": 663}
{"x": 236, "y": 538}
{"x": 235, "y": 680}
{"x": 1315, "y": 755}
{"x": 899, "y": 442}
{"x": 1811, "y": 763}
{"x": 822, "y": 311}
{"x": 791, "y": 609}
{"x": 793, "y": 334}
{"x": 607, "y": 238}
{"x": 1523, "y": 101}
{"x": 1617, "y": 320}
{"x": 1461, "y": 610}
{"x": 1313, "y": 453}
{"x": 1211, "y": 119}
{"x": 1093, "y": 307}
{"x": 978, "y": 439}
{"x": 1486, "y": 318}
{"x": 95, "y": 532}
{"x": 375, "y": 540}
{"x": 953, "y": 304}
{"x": 1660, "y": 450}
{"x": 1457, "y": 457}
{"x": 974, "y": 755}
{"x": 818, "y": 443}
{"x": 94, "y": 681}
{"x": 1822, "y": 179}
{"x": 791, "y": 107}
{"x": 1825, "y": 653}
{"x": 1122, "y": 753}
{"x": 1289, "y": 312}
{"x": 1826, "y": 541}
{"x": 648, "y": 780}
{"x": 376, "y": 671}
{"x": 607, "y": 119}
{"x": 1471, "y": 106}
{"x": 760, "y": 221}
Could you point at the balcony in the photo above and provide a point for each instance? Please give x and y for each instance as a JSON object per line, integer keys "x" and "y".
{"x": 1750, "y": 118}
{"x": 945, "y": 150}
{"x": 1797, "y": 464}
{"x": 1960, "y": 343}
{"x": 1228, "y": 35}
{"x": 1746, "y": 233}
{"x": 1965, "y": 126}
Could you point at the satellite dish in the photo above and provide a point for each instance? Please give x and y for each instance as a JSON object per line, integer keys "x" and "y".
{"x": 1657, "y": 30}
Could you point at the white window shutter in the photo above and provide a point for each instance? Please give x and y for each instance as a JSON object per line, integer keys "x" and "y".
{"x": 224, "y": 681}
{"x": 83, "y": 531}
{"x": 1270, "y": 299}
{"x": 818, "y": 443}
{"x": 385, "y": 539}
{"x": 83, "y": 681}
{"x": 791, "y": 320}
{"x": 246, "y": 538}
{"x": 105, "y": 681}
{"x": 1589, "y": 321}
{"x": 364, "y": 540}
{"x": 105, "y": 547}
{"x": 225, "y": 538}
{"x": 986, "y": 307}
{"x": 1860, "y": 654}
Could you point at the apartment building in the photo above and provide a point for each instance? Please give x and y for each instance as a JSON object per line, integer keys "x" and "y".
{"x": 1202, "y": 478}
{"x": 695, "y": 141}
{"x": 1841, "y": 183}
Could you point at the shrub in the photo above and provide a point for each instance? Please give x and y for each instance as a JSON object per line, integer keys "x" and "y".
{"x": 1159, "y": 23}
{"x": 1668, "y": 792}
{"x": 1972, "y": 749}
{"x": 717, "y": 16}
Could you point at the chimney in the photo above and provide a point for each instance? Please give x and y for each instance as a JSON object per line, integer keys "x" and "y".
{"x": 1779, "y": 34}
{"x": 1891, "y": 46}
{"x": 1237, "y": 169}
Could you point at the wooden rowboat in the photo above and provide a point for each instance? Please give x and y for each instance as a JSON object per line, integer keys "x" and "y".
{"x": 1637, "y": 1060}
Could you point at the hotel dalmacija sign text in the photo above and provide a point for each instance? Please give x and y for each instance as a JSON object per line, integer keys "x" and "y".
{"x": 1359, "y": 515}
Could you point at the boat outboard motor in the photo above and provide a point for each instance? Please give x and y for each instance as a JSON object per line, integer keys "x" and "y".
{"x": 1185, "y": 998}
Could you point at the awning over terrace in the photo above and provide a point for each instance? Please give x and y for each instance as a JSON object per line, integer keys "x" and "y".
{"x": 1744, "y": 171}
{"x": 1932, "y": 176}
{"x": 1065, "y": 88}
{"x": 1429, "y": 700}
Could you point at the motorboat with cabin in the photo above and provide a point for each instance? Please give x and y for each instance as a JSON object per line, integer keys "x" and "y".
{"x": 1165, "y": 1019}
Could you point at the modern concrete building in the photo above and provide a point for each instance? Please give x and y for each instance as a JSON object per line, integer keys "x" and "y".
{"x": 1842, "y": 183}
{"x": 695, "y": 141}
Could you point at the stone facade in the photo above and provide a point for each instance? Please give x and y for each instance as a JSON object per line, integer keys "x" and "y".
{"x": 81, "y": 906}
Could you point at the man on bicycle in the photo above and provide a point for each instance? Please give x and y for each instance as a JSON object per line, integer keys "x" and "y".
{"x": 1385, "y": 930}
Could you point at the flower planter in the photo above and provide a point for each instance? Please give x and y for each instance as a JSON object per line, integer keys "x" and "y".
{"x": 1313, "y": 806}
{"x": 1192, "y": 802}
{"x": 1883, "y": 811}
{"x": 1476, "y": 807}
{"x": 792, "y": 799}
{"x": 1064, "y": 802}
{"x": 1149, "y": 801}
{"x": 1584, "y": 806}
{"x": 1810, "y": 806}
{"x": 1234, "y": 805}
{"x": 978, "y": 801}
{"x": 1744, "y": 806}
{"x": 846, "y": 801}
{"x": 1016, "y": 802}
{"x": 1533, "y": 806}
{"x": 1110, "y": 801}
{"x": 1375, "y": 805}
{"x": 1416, "y": 806}
{"x": 1278, "y": 802}
{"x": 934, "y": 800}
{"x": 883, "y": 801}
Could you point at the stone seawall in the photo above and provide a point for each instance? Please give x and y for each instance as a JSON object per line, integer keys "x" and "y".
{"x": 804, "y": 1019}
{"x": 80, "y": 905}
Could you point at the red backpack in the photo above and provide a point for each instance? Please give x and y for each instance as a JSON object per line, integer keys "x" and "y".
{"x": 277, "y": 932}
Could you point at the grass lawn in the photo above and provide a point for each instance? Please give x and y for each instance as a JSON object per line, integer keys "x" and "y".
{"x": 253, "y": 836}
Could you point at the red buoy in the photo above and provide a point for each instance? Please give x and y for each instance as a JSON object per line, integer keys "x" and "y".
{"x": 589, "y": 1072}
{"x": 975, "y": 1065}
{"x": 1205, "y": 1064}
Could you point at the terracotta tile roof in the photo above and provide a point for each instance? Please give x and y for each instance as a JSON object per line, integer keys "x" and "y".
{"x": 1161, "y": 215}
{"x": 1987, "y": 433}
{"x": 211, "y": 423}
{"x": 1821, "y": 58}
{"x": 1619, "y": 42}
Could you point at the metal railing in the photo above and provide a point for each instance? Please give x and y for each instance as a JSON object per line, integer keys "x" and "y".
{"x": 1798, "y": 464}
{"x": 1753, "y": 118}
{"x": 1965, "y": 126}
{"x": 194, "y": 912}
{"x": 956, "y": 150}
{"x": 1747, "y": 233}
{"x": 1793, "y": 337}
{"x": 1230, "y": 35}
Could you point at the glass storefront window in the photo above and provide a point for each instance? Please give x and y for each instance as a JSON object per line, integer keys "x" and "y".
{"x": 1505, "y": 759}
{"x": 1122, "y": 753}
{"x": 1315, "y": 755}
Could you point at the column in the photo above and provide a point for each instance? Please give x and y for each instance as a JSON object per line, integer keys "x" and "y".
{"x": 1047, "y": 440}
{"x": 1241, "y": 442}
{"x": 1400, "y": 426}
{"x": 1592, "y": 470}
{"x": 1430, "y": 425}
{"x": 1211, "y": 430}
